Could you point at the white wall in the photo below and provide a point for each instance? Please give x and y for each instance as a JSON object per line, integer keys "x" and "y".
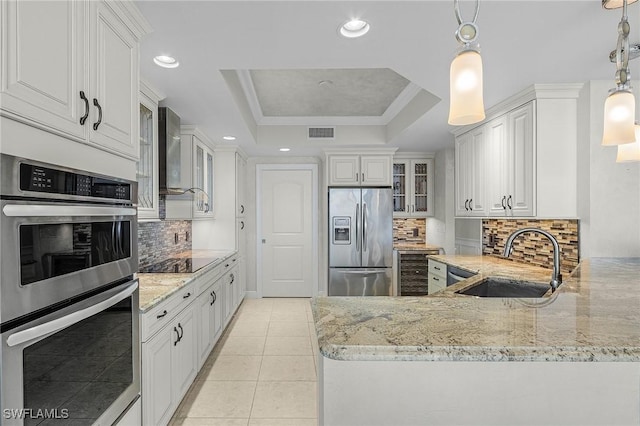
{"x": 440, "y": 227}
{"x": 608, "y": 192}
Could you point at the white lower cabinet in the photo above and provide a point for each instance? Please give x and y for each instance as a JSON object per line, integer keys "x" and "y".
{"x": 168, "y": 368}
{"x": 210, "y": 319}
{"x": 180, "y": 332}
{"x": 437, "y": 276}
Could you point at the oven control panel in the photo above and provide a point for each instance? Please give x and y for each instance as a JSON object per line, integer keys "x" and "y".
{"x": 37, "y": 178}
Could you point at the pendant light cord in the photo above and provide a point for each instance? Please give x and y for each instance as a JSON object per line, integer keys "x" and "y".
{"x": 456, "y": 6}
{"x": 622, "y": 49}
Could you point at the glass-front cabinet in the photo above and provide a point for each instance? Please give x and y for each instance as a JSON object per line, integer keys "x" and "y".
{"x": 413, "y": 187}
{"x": 203, "y": 180}
{"x": 147, "y": 166}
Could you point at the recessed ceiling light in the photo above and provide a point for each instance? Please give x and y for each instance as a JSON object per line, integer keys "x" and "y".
{"x": 229, "y": 138}
{"x": 166, "y": 61}
{"x": 354, "y": 28}
{"x": 285, "y": 149}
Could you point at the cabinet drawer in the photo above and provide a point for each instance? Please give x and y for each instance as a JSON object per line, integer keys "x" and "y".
{"x": 438, "y": 268}
{"x": 436, "y": 283}
{"x": 153, "y": 320}
{"x": 208, "y": 278}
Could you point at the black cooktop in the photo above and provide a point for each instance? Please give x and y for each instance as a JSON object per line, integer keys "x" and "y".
{"x": 178, "y": 265}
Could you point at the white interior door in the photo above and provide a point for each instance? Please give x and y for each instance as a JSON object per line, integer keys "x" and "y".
{"x": 286, "y": 215}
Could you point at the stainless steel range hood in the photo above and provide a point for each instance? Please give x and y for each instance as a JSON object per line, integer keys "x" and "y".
{"x": 169, "y": 153}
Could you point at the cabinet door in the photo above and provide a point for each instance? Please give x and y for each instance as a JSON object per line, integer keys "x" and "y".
{"x": 522, "y": 161}
{"x": 463, "y": 173}
{"x": 230, "y": 297}
{"x": 241, "y": 166}
{"x": 147, "y": 169}
{"x": 344, "y": 170}
{"x": 184, "y": 359}
{"x": 478, "y": 183}
{"x": 375, "y": 170}
{"x": 218, "y": 309}
{"x": 241, "y": 236}
{"x": 401, "y": 186}
{"x": 202, "y": 180}
{"x": 113, "y": 59}
{"x": 157, "y": 402}
{"x": 204, "y": 314}
{"x": 498, "y": 176}
{"x": 43, "y": 63}
{"x": 422, "y": 188}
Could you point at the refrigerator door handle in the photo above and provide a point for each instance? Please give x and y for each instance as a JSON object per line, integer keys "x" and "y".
{"x": 364, "y": 227}
{"x": 369, "y": 272}
{"x": 357, "y": 227}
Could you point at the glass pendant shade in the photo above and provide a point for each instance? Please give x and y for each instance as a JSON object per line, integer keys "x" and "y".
{"x": 630, "y": 151}
{"x": 467, "y": 104}
{"x": 615, "y": 4}
{"x": 619, "y": 116}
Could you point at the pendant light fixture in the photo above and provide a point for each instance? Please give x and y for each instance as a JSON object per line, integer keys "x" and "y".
{"x": 620, "y": 106}
{"x": 466, "y": 100}
{"x": 629, "y": 152}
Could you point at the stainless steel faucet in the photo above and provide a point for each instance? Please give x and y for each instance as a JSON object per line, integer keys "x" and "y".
{"x": 556, "y": 278}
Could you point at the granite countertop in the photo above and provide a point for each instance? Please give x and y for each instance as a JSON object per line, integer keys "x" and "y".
{"x": 594, "y": 316}
{"x": 405, "y": 246}
{"x": 156, "y": 287}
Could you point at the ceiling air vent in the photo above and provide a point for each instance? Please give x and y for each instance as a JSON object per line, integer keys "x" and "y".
{"x": 321, "y": 133}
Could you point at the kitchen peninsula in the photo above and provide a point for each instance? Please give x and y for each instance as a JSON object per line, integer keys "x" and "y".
{"x": 569, "y": 358}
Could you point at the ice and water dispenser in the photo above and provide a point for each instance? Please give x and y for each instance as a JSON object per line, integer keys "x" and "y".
{"x": 341, "y": 230}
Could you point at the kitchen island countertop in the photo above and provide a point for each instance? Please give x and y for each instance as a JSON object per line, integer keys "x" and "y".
{"x": 594, "y": 316}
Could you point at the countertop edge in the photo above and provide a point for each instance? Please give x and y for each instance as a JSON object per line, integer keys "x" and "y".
{"x": 479, "y": 354}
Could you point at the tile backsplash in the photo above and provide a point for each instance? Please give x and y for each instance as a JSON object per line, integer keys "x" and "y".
{"x": 156, "y": 240}
{"x": 411, "y": 230}
{"x": 531, "y": 247}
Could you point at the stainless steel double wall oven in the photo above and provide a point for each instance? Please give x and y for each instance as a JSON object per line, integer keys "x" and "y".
{"x": 68, "y": 297}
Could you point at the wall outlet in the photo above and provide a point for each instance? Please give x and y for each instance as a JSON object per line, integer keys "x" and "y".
{"x": 176, "y": 238}
{"x": 415, "y": 232}
{"x": 186, "y": 236}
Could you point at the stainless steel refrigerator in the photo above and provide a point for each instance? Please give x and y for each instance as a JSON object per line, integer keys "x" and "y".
{"x": 360, "y": 241}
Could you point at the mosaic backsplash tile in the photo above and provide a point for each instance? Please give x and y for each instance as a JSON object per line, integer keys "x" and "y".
{"x": 156, "y": 240}
{"x": 531, "y": 247}
{"x": 411, "y": 230}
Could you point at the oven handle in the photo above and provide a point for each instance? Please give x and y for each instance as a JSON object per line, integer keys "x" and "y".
{"x": 51, "y": 327}
{"x": 26, "y": 210}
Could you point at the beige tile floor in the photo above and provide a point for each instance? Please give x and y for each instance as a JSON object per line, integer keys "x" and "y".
{"x": 262, "y": 371}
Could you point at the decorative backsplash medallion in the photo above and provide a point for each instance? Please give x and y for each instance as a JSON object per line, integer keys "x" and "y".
{"x": 409, "y": 230}
{"x": 531, "y": 247}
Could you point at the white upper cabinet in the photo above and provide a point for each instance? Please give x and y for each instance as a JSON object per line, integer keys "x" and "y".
{"x": 413, "y": 187}
{"x": 43, "y": 63}
{"x": 113, "y": 82}
{"x": 71, "y": 68}
{"x": 470, "y": 173}
{"x": 241, "y": 166}
{"x": 231, "y": 209}
{"x": 521, "y": 161}
{"x": 511, "y": 160}
{"x": 524, "y": 159}
{"x": 197, "y": 177}
{"x": 350, "y": 169}
{"x": 147, "y": 167}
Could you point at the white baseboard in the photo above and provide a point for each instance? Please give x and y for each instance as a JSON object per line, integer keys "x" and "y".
{"x": 251, "y": 295}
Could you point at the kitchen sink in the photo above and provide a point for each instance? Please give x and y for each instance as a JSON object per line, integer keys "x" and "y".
{"x": 504, "y": 287}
